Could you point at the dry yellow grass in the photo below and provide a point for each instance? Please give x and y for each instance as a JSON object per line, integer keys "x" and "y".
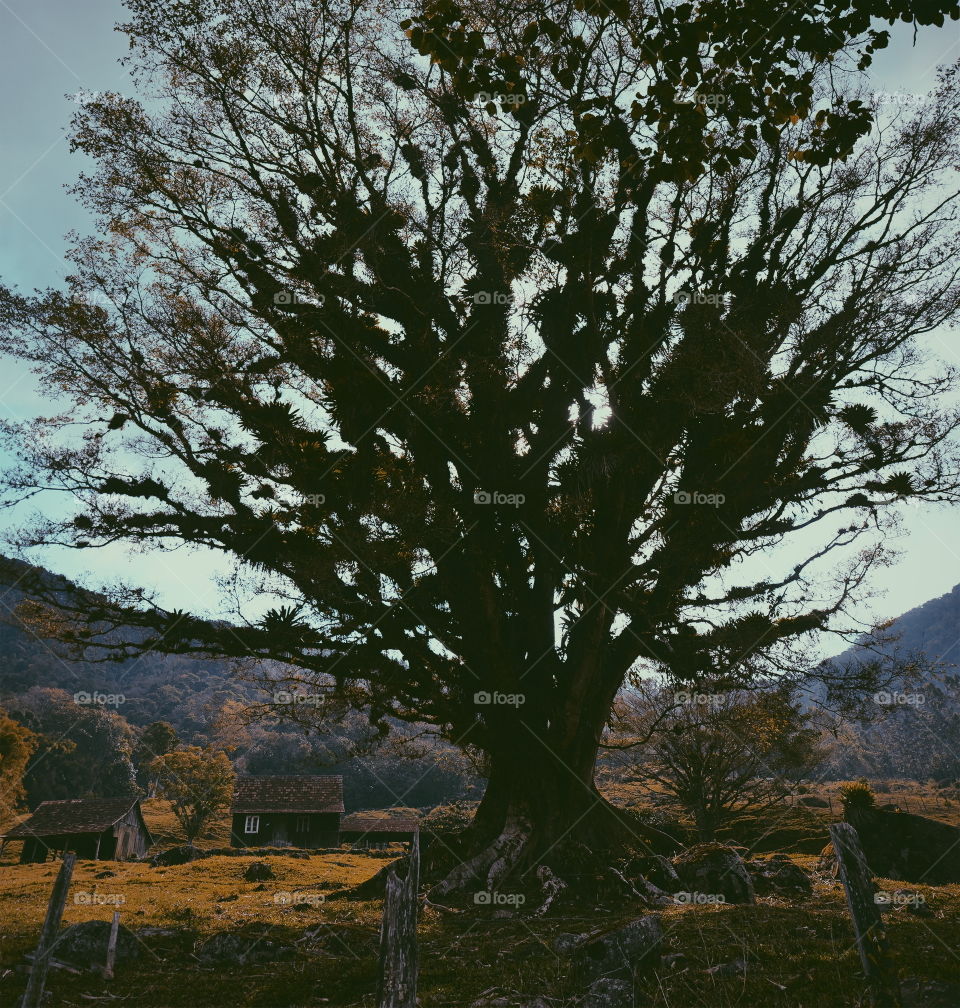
{"x": 799, "y": 953}
{"x": 191, "y": 893}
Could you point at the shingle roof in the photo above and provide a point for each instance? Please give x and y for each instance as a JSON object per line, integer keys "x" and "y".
{"x": 288, "y": 794}
{"x": 75, "y": 815}
{"x": 359, "y": 823}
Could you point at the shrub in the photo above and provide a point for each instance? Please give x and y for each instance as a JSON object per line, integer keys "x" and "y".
{"x": 857, "y": 795}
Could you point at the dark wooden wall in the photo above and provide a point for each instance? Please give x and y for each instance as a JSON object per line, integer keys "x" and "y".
{"x": 281, "y": 827}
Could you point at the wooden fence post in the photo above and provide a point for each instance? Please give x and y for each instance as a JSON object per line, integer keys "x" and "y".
{"x": 33, "y": 995}
{"x": 867, "y": 922}
{"x": 398, "y": 935}
{"x": 112, "y": 946}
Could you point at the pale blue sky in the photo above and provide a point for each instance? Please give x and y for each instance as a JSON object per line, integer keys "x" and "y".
{"x": 53, "y": 48}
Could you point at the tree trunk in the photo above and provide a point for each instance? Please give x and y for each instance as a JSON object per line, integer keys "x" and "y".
{"x": 706, "y": 823}
{"x": 540, "y": 793}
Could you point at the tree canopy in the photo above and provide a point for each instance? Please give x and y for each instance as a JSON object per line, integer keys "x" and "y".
{"x": 199, "y": 784}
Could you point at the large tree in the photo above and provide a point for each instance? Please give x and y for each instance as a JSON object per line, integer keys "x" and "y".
{"x": 493, "y": 386}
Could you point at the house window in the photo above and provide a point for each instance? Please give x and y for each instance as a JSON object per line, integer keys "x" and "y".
{"x": 303, "y": 824}
{"x": 252, "y": 825}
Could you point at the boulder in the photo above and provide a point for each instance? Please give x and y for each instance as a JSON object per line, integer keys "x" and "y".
{"x": 714, "y": 870}
{"x": 105, "y": 874}
{"x": 565, "y": 943}
{"x": 777, "y": 875}
{"x": 85, "y": 944}
{"x": 621, "y": 953}
{"x": 258, "y": 871}
{"x": 176, "y": 856}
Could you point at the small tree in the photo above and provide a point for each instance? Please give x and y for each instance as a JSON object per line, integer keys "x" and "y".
{"x": 720, "y": 753}
{"x": 199, "y": 783}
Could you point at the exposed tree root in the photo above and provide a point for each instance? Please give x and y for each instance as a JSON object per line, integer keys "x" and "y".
{"x": 601, "y": 834}
{"x": 552, "y": 888}
{"x": 510, "y": 848}
{"x": 498, "y": 859}
{"x": 427, "y": 902}
{"x": 647, "y": 892}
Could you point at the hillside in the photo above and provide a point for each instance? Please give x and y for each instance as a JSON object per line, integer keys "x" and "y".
{"x": 205, "y": 935}
{"x": 916, "y": 731}
{"x": 933, "y": 628}
{"x": 155, "y": 687}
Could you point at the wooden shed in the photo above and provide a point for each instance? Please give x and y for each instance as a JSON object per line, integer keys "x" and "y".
{"x": 99, "y": 829}
{"x": 363, "y": 829}
{"x": 302, "y": 811}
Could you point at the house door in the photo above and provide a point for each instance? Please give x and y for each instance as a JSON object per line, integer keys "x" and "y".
{"x": 279, "y": 831}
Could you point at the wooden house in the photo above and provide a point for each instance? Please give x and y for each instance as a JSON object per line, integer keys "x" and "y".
{"x": 99, "y": 829}
{"x": 300, "y": 811}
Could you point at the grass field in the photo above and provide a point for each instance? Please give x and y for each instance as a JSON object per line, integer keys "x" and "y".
{"x": 798, "y": 953}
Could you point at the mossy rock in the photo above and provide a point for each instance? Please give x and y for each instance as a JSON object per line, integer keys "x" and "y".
{"x": 713, "y": 869}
